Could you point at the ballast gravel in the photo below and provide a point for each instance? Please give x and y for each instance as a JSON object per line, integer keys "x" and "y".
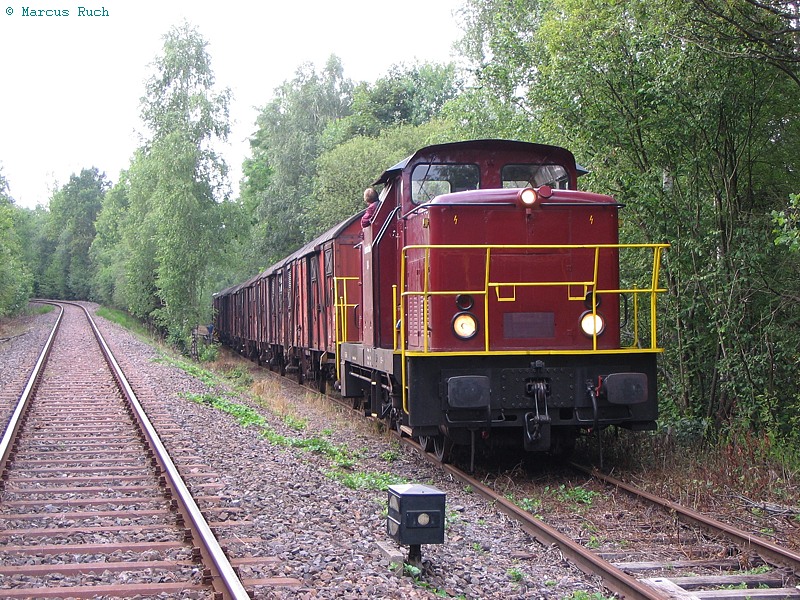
{"x": 291, "y": 505}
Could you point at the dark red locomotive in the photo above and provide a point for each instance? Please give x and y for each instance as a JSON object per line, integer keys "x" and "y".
{"x": 484, "y": 304}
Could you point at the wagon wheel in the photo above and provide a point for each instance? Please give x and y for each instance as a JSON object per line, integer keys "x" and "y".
{"x": 396, "y": 420}
{"x": 441, "y": 448}
{"x": 322, "y": 381}
{"x": 426, "y": 443}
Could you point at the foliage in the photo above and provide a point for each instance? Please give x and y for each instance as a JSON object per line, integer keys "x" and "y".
{"x": 15, "y": 276}
{"x": 108, "y": 253}
{"x": 122, "y": 319}
{"x": 207, "y": 353}
{"x": 322, "y": 140}
{"x": 344, "y": 171}
{"x": 279, "y": 175}
{"x": 406, "y": 95}
{"x": 366, "y": 481}
{"x": 165, "y": 223}
{"x": 700, "y": 147}
{"x": 787, "y": 224}
{"x": 243, "y": 414}
{"x": 750, "y": 29}
{"x": 69, "y": 231}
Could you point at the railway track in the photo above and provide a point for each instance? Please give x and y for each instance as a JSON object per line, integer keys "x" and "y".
{"x": 733, "y": 564}
{"x": 92, "y": 504}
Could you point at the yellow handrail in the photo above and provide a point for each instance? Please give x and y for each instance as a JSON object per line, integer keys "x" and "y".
{"x": 340, "y": 306}
{"x": 426, "y": 293}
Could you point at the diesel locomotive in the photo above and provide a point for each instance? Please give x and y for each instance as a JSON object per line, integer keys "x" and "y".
{"x": 489, "y": 302}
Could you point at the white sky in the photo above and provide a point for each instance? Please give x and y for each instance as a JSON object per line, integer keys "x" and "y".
{"x": 70, "y": 86}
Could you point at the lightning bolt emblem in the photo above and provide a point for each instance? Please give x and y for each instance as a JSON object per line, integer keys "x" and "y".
{"x": 455, "y": 219}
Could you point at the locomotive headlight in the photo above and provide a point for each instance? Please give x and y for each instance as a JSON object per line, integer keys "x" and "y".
{"x": 465, "y": 325}
{"x": 592, "y": 324}
{"x": 528, "y": 196}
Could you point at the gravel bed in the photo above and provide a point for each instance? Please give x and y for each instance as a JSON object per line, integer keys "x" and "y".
{"x": 294, "y": 500}
{"x": 323, "y": 532}
{"x": 21, "y": 340}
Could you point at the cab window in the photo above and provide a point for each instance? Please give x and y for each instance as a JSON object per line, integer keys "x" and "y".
{"x": 520, "y": 176}
{"x": 430, "y": 180}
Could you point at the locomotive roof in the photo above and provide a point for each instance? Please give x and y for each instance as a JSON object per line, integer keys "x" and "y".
{"x": 488, "y": 145}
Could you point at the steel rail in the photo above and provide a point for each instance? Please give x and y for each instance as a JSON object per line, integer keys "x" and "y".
{"x": 224, "y": 578}
{"x": 764, "y": 548}
{"x": 18, "y": 416}
{"x": 587, "y": 561}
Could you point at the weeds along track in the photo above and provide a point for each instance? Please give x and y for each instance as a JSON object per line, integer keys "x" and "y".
{"x": 91, "y": 504}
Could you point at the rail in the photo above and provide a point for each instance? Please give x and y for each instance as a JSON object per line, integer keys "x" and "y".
{"x": 18, "y": 416}
{"x": 224, "y": 576}
{"x": 224, "y": 579}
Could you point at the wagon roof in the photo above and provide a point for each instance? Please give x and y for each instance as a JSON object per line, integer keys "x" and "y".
{"x": 392, "y": 172}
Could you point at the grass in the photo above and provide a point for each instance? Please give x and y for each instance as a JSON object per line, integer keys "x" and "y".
{"x": 123, "y": 319}
{"x": 378, "y": 482}
{"x": 39, "y": 309}
{"x": 243, "y": 414}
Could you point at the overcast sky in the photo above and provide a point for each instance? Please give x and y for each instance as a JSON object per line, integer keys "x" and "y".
{"x": 71, "y": 85}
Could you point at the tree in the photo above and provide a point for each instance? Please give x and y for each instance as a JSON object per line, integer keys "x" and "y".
{"x": 172, "y": 228}
{"x": 279, "y": 176}
{"x": 108, "y": 251}
{"x": 73, "y": 209}
{"x": 700, "y": 147}
{"x": 344, "y": 171}
{"x": 15, "y": 277}
{"x": 766, "y": 30}
{"x": 410, "y": 95}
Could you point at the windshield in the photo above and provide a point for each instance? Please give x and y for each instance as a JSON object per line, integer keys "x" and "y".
{"x": 520, "y": 176}
{"x": 430, "y": 180}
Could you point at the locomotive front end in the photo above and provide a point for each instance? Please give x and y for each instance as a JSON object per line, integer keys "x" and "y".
{"x": 518, "y": 322}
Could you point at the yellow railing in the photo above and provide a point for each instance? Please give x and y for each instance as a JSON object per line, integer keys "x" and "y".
{"x": 506, "y": 291}
{"x": 340, "y": 306}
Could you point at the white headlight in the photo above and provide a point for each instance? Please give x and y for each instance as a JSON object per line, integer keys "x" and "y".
{"x": 592, "y": 324}
{"x": 465, "y": 325}
{"x": 528, "y": 196}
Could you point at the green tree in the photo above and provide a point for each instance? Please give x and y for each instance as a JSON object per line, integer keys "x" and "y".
{"x": 764, "y": 30}
{"x": 108, "y": 251}
{"x": 15, "y": 276}
{"x": 699, "y": 146}
{"x": 172, "y": 228}
{"x": 73, "y": 210}
{"x": 406, "y": 95}
{"x": 279, "y": 176}
{"x": 344, "y": 171}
